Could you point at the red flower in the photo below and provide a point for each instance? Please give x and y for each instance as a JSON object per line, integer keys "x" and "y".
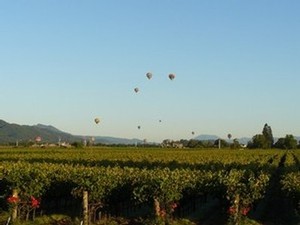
{"x": 231, "y": 210}
{"x": 174, "y": 205}
{"x": 34, "y": 202}
{"x": 245, "y": 210}
{"x": 163, "y": 213}
{"x": 13, "y": 199}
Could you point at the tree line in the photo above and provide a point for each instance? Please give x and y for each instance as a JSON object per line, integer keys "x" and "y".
{"x": 265, "y": 140}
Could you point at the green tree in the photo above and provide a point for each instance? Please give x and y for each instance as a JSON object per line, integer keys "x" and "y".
{"x": 289, "y": 142}
{"x": 235, "y": 144}
{"x": 258, "y": 141}
{"x": 267, "y": 133}
{"x": 184, "y": 142}
{"x": 192, "y": 143}
{"x": 223, "y": 143}
{"x": 77, "y": 144}
{"x": 280, "y": 143}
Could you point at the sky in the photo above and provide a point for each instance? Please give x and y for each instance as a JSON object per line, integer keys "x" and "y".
{"x": 66, "y": 62}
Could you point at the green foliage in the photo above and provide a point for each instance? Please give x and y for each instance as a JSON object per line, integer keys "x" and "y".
{"x": 145, "y": 175}
{"x": 264, "y": 140}
{"x": 291, "y": 185}
{"x": 235, "y": 144}
{"x": 223, "y": 143}
{"x": 77, "y": 144}
{"x": 267, "y": 133}
{"x": 289, "y": 142}
{"x": 28, "y": 180}
{"x": 258, "y": 141}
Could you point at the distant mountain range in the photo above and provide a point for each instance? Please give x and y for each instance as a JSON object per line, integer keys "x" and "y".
{"x": 10, "y": 133}
{"x": 208, "y": 137}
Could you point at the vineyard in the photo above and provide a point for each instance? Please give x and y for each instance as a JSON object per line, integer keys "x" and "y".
{"x": 149, "y": 186}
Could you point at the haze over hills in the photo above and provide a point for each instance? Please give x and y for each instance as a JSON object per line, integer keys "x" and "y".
{"x": 208, "y": 137}
{"x": 10, "y": 133}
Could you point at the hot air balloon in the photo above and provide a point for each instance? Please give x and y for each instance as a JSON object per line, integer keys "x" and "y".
{"x": 139, "y": 127}
{"x": 38, "y": 139}
{"x": 171, "y": 76}
{"x": 136, "y": 90}
{"x": 193, "y": 132}
{"x": 229, "y": 136}
{"x": 97, "y": 120}
{"x": 149, "y": 75}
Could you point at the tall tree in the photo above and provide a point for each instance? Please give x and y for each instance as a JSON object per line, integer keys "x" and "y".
{"x": 267, "y": 133}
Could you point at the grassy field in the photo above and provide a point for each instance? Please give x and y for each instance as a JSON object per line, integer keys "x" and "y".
{"x": 151, "y": 185}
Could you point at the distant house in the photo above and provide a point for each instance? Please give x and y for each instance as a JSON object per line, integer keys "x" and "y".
{"x": 171, "y": 144}
{"x": 65, "y": 145}
{"x": 177, "y": 145}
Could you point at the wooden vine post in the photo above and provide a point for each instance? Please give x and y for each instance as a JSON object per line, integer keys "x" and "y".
{"x": 14, "y": 213}
{"x": 85, "y": 208}
{"x": 156, "y": 207}
{"x": 237, "y": 210}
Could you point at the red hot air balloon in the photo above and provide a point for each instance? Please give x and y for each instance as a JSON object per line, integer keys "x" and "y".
{"x": 38, "y": 139}
{"x": 171, "y": 76}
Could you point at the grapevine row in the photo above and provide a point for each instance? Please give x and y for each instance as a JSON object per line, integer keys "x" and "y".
{"x": 161, "y": 187}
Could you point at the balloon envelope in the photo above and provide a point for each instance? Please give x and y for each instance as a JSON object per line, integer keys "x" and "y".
{"x": 171, "y": 76}
{"x": 136, "y": 90}
{"x": 38, "y": 139}
{"x": 149, "y": 75}
{"x": 97, "y": 120}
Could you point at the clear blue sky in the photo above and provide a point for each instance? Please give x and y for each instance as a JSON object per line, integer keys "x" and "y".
{"x": 237, "y": 66}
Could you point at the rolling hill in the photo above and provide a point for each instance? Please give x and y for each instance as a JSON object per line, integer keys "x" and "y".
{"x": 11, "y": 133}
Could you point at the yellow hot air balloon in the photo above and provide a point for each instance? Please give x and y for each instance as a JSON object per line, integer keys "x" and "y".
{"x": 97, "y": 120}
